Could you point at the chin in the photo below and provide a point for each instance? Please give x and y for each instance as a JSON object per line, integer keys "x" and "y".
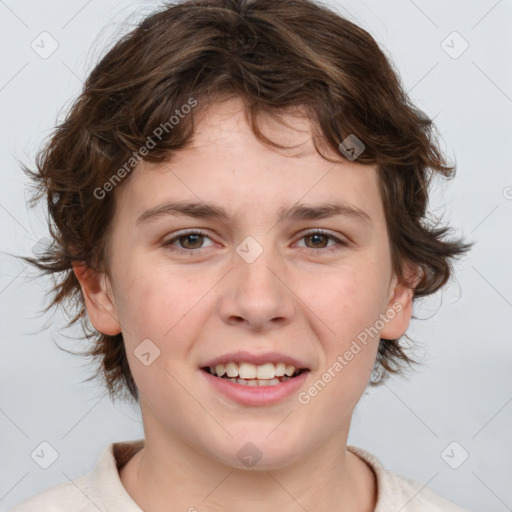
{"x": 259, "y": 452}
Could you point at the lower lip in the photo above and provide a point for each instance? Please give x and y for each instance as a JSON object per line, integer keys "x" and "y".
{"x": 256, "y": 395}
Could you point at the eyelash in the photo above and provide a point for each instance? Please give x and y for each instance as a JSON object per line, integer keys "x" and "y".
{"x": 341, "y": 244}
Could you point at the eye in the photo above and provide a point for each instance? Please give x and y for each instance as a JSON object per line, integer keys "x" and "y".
{"x": 192, "y": 241}
{"x": 189, "y": 241}
{"x": 318, "y": 238}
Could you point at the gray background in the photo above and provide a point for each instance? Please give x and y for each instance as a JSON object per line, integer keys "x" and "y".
{"x": 462, "y": 393}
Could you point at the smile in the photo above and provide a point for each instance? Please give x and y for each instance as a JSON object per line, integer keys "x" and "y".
{"x": 248, "y": 374}
{"x": 253, "y": 390}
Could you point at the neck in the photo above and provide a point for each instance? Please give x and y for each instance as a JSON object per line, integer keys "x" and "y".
{"x": 173, "y": 472}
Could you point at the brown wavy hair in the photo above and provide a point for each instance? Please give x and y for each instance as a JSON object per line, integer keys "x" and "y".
{"x": 276, "y": 55}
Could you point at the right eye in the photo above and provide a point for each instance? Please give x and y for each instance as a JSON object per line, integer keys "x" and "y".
{"x": 190, "y": 238}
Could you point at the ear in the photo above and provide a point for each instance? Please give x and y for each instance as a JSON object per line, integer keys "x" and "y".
{"x": 399, "y": 309}
{"x": 98, "y": 297}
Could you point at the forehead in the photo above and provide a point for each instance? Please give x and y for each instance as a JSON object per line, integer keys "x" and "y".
{"x": 227, "y": 165}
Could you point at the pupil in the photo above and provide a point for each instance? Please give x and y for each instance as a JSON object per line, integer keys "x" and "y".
{"x": 316, "y": 237}
{"x": 193, "y": 237}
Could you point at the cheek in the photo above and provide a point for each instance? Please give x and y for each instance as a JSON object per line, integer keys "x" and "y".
{"x": 350, "y": 301}
{"x": 157, "y": 315}
{"x": 163, "y": 306}
{"x": 148, "y": 295}
{"x": 348, "y": 310}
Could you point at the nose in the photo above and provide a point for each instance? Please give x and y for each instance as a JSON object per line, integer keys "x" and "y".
{"x": 256, "y": 295}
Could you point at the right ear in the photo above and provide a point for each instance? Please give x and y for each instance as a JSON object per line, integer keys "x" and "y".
{"x": 98, "y": 297}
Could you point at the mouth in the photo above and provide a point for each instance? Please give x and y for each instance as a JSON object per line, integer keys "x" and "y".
{"x": 265, "y": 381}
{"x": 250, "y": 375}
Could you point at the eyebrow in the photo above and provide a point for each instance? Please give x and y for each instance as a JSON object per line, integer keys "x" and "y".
{"x": 211, "y": 211}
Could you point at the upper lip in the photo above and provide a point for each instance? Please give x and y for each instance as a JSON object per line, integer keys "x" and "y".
{"x": 256, "y": 359}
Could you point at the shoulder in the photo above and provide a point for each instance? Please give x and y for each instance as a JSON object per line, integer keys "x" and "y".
{"x": 99, "y": 490}
{"x": 64, "y": 497}
{"x": 397, "y": 492}
{"x": 416, "y": 497}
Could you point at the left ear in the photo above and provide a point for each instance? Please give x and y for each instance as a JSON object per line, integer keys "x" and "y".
{"x": 399, "y": 309}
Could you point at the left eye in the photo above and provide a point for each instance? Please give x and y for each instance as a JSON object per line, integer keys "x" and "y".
{"x": 316, "y": 236}
{"x": 193, "y": 240}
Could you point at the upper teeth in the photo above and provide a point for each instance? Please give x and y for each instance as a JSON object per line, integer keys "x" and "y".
{"x": 251, "y": 371}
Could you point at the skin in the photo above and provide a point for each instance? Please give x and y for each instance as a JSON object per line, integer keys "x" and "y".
{"x": 306, "y": 302}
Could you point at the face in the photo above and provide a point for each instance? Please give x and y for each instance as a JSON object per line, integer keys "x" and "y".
{"x": 187, "y": 290}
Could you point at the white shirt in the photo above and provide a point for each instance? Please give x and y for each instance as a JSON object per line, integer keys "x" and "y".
{"x": 102, "y": 490}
